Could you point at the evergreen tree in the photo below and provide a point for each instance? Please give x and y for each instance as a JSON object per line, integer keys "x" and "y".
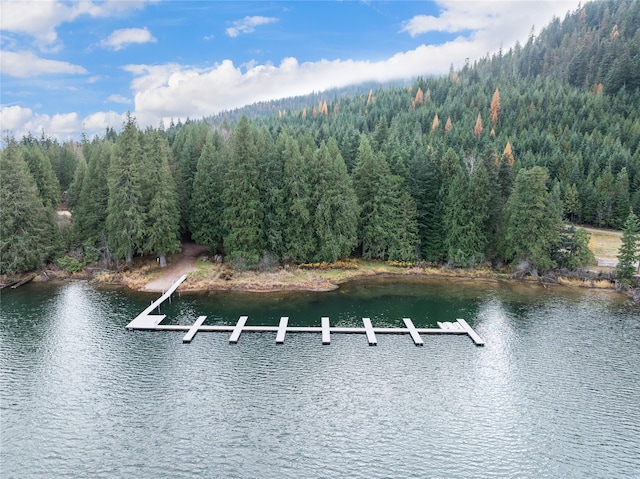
{"x": 334, "y": 205}
{"x": 162, "y": 231}
{"x": 42, "y": 172}
{"x": 75, "y": 189}
{"x": 387, "y": 226}
{"x": 531, "y": 223}
{"x": 90, "y": 212}
{"x": 27, "y": 226}
{"x": 205, "y": 221}
{"x": 296, "y": 194}
{"x": 424, "y": 184}
{"x": 573, "y": 249}
{"x": 271, "y": 185}
{"x": 126, "y": 219}
{"x": 629, "y": 253}
{"x": 244, "y": 239}
{"x": 461, "y": 235}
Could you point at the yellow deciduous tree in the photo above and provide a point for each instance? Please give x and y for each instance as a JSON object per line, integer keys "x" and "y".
{"x": 495, "y": 107}
{"x": 436, "y": 123}
{"x": 477, "y": 129}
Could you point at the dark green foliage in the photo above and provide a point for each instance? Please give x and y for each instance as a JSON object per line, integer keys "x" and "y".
{"x": 42, "y": 172}
{"x": 388, "y": 226}
{"x": 531, "y": 223}
{"x": 126, "y": 219}
{"x": 90, "y": 212}
{"x": 424, "y": 185}
{"x": 296, "y": 196}
{"x": 243, "y": 216}
{"x": 27, "y": 227}
{"x": 334, "y": 206}
{"x": 205, "y": 220}
{"x": 569, "y": 105}
{"x": 629, "y": 253}
{"x": 162, "y": 229}
{"x": 75, "y": 189}
{"x": 69, "y": 264}
{"x": 573, "y": 250}
{"x": 271, "y": 190}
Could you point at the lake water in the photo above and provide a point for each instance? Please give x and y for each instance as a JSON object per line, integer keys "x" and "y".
{"x": 555, "y": 393}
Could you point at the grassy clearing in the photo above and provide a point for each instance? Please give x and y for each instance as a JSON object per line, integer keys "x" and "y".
{"x": 605, "y": 243}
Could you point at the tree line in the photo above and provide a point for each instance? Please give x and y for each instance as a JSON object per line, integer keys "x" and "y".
{"x": 485, "y": 165}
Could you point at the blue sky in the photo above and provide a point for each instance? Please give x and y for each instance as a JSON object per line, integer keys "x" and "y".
{"x": 66, "y": 67}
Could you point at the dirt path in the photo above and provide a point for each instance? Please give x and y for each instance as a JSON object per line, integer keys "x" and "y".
{"x": 186, "y": 264}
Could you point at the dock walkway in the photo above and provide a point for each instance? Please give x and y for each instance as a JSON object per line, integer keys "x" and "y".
{"x": 151, "y": 322}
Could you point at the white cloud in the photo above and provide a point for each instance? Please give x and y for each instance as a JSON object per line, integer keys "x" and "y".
{"x": 162, "y": 92}
{"x": 14, "y": 117}
{"x": 97, "y": 123}
{"x": 175, "y": 91}
{"x": 248, "y": 25}
{"x": 119, "y": 99}
{"x": 27, "y": 64}
{"x": 40, "y": 19}
{"x": 507, "y": 21}
{"x": 19, "y": 121}
{"x": 124, "y": 37}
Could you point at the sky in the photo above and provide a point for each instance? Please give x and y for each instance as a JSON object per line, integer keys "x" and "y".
{"x": 73, "y": 67}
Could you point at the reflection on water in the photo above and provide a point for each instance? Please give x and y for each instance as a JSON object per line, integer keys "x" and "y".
{"x": 554, "y": 393}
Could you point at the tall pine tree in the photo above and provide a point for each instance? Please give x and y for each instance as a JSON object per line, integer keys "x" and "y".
{"x": 206, "y": 212}
{"x": 334, "y": 205}
{"x": 244, "y": 239}
{"x": 27, "y": 226}
{"x": 126, "y": 219}
{"x": 162, "y": 232}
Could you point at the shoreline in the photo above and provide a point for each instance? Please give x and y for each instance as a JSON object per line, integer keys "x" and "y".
{"x": 205, "y": 276}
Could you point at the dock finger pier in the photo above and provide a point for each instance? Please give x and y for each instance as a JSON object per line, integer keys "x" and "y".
{"x": 147, "y": 321}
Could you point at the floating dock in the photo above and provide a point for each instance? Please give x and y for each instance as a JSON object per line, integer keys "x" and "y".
{"x": 151, "y": 322}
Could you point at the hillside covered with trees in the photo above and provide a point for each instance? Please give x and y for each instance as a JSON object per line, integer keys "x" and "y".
{"x": 485, "y": 165}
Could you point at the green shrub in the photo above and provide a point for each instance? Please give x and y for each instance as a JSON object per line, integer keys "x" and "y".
{"x": 69, "y": 264}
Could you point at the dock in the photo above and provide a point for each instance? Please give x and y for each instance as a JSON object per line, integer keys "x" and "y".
{"x": 146, "y": 321}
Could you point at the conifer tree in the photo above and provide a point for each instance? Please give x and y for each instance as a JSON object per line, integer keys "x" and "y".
{"x": 495, "y": 107}
{"x": 42, "y": 172}
{"x": 387, "y": 226}
{"x": 435, "y": 123}
{"x": 162, "y": 229}
{"x": 27, "y": 226}
{"x": 244, "y": 239}
{"x": 296, "y": 194}
{"x": 629, "y": 253}
{"x": 531, "y": 223}
{"x": 573, "y": 250}
{"x": 448, "y": 126}
{"x": 334, "y": 205}
{"x": 477, "y": 129}
{"x": 90, "y": 212}
{"x": 206, "y": 212}
{"x": 126, "y": 217}
{"x": 75, "y": 189}
{"x": 271, "y": 185}
{"x": 458, "y": 226}
{"x": 424, "y": 186}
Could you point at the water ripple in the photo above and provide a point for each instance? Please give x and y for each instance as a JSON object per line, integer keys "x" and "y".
{"x": 554, "y": 393}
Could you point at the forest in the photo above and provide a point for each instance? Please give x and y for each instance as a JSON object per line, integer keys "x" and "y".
{"x": 492, "y": 164}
